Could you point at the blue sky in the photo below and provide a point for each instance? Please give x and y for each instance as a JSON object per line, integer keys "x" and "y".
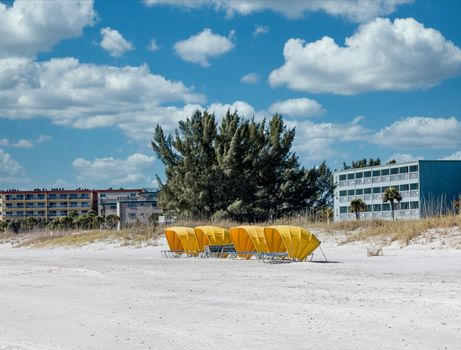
{"x": 83, "y": 83}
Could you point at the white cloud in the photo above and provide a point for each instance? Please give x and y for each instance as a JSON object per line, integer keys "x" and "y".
{"x": 27, "y": 28}
{"x": 153, "y": 45}
{"x": 114, "y": 43}
{"x": 241, "y": 107}
{"x": 85, "y": 95}
{"x": 420, "y": 132}
{"x": 355, "y": 10}
{"x": 382, "y": 55}
{"x": 250, "y": 78}
{"x": 404, "y": 157}
{"x": 43, "y": 138}
{"x": 315, "y": 141}
{"x": 201, "y": 47}
{"x": 10, "y": 169}
{"x": 260, "y": 29}
{"x": 453, "y": 156}
{"x": 297, "y": 107}
{"x": 113, "y": 171}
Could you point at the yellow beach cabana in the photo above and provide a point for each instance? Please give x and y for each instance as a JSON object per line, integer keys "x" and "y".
{"x": 211, "y": 235}
{"x": 182, "y": 239}
{"x": 296, "y": 241}
{"x": 248, "y": 239}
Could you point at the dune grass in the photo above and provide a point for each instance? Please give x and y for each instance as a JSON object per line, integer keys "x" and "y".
{"x": 138, "y": 236}
{"x": 403, "y": 231}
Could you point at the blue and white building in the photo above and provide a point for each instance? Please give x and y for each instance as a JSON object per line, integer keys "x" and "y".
{"x": 427, "y": 187}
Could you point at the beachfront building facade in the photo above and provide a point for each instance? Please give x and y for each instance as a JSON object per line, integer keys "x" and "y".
{"x": 427, "y": 187}
{"x": 131, "y": 206}
{"x": 45, "y": 204}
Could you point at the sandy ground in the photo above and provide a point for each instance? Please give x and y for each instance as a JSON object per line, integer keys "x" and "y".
{"x": 101, "y": 297}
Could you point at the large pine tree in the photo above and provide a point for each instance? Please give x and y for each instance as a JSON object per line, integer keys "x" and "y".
{"x": 241, "y": 169}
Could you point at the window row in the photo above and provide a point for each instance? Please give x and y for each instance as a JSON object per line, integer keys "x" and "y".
{"x": 370, "y": 190}
{"x": 20, "y": 197}
{"x": 383, "y": 207}
{"x": 382, "y": 172}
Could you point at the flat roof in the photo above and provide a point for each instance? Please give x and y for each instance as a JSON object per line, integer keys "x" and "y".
{"x": 395, "y": 165}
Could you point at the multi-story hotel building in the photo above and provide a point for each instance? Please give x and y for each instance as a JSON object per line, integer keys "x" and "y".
{"x": 46, "y": 204}
{"x": 426, "y": 186}
{"x": 131, "y": 206}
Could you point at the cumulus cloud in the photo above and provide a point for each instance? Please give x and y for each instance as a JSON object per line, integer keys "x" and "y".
{"x": 250, "y": 78}
{"x": 420, "y": 132}
{"x": 9, "y": 168}
{"x": 260, "y": 29}
{"x": 24, "y": 143}
{"x": 85, "y": 95}
{"x": 355, "y": 10}
{"x": 243, "y": 108}
{"x": 203, "y": 46}
{"x": 404, "y": 157}
{"x": 382, "y": 55}
{"x": 454, "y": 156}
{"x": 114, "y": 43}
{"x": 316, "y": 141}
{"x": 153, "y": 45}
{"x": 113, "y": 171}
{"x": 297, "y": 107}
{"x": 29, "y": 28}
{"x": 43, "y": 138}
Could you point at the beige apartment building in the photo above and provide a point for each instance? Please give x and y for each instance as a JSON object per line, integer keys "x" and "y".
{"x": 45, "y": 204}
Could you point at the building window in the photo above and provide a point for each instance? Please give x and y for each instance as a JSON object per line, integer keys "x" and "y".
{"x": 113, "y": 207}
{"x": 350, "y": 192}
{"x": 376, "y": 173}
{"x": 132, "y": 205}
{"x": 342, "y": 177}
{"x": 102, "y": 195}
{"x": 404, "y": 187}
{"x": 367, "y": 174}
{"x": 358, "y": 175}
{"x": 41, "y": 196}
{"x": 367, "y": 190}
{"x": 343, "y": 210}
{"x": 132, "y": 216}
{"x": 350, "y": 176}
{"x": 376, "y": 207}
{"x": 386, "y": 207}
{"x": 394, "y": 171}
{"x": 413, "y": 168}
{"x": 404, "y": 205}
{"x": 414, "y": 186}
{"x": 359, "y": 191}
{"x": 376, "y": 189}
{"x": 385, "y": 172}
{"x": 404, "y": 170}
{"x": 342, "y": 193}
{"x": 414, "y": 205}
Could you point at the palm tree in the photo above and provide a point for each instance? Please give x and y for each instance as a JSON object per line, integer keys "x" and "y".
{"x": 112, "y": 220}
{"x": 391, "y": 195}
{"x": 357, "y": 205}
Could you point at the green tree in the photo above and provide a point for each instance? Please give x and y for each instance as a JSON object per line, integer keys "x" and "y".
{"x": 357, "y": 205}
{"x": 242, "y": 167}
{"x": 111, "y": 221}
{"x": 14, "y": 226}
{"x": 29, "y": 223}
{"x": 392, "y": 195}
{"x": 66, "y": 222}
{"x": 3, "y": 226}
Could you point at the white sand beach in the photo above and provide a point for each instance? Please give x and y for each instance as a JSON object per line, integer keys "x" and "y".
{"x": 103, "y": 297}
